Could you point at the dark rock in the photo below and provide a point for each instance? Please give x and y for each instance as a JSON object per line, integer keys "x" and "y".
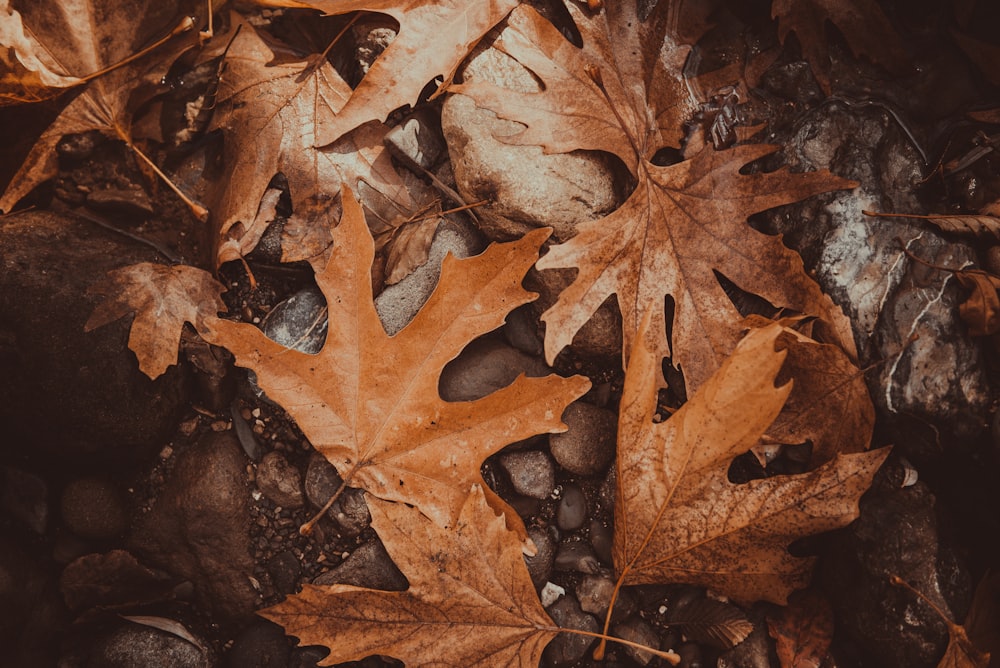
{"x": 371, "y": 37}
{"x": 521, "y": 331}
{"x": 594, "y": 593}
{"x": 280, "y": 481}
{"x": 398, "y": 303}
{"x": 131, "y": 202}
{"x": 540, "y": 565}
{"x": 417, "y": 140}
{"x": 588, "y": 446}
{"x": 350, "y": 511}
{"x": 199, "y": 527}
{"x": 134, "y": 645}
{"x": 531, "y": 472}
{"x": 368, "y": 566}
{"x": 600, "y": 337}
{"x": 692, "y": 656}
{"x": 73, "y": 393}
{"x": 566, "y": 649}
{"x": 322, "y": 480}
{"x": 858, "y": 261}
{"x": 261, "y": 645}
{"x": 284, "y": 569}
{"x": 576, "y": 555}
{"x": 485, "y": 366}
{"x": 896, "y": 533}
{"x": 299, "y": 322}
{"x": 24, "y": 497}
{"x": 32, "y": 615}
{"x": 572, "y": 510}
{"x": 634, "y": 629}
{"x": 602, "y": 538}
{"x": 307, "y": 657}
{"x": 93, "y": 508}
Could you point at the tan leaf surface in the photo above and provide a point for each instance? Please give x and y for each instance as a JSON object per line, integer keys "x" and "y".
{"x": 803, "y": 630}
{"x": 407, "y": 64}
{"x": 683, "y": 222}
{"x": 981, "y": 309}
{"x": 867, "y": 30}
{"x": 677, "y": 516}
{"x": 369, "y": 402}
{"x": 470, "y": 601}
{"x": 162, "y": 299}
{"x": 27, "y": 72}
{"x": 88, "y": 36}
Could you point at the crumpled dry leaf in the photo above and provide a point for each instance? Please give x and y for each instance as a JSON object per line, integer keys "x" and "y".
{"x": 27, "y": 71}
{"x": 407, "y": 64}
{"x": 683, "y": 222}
{"x": 88, "y": 36}
{"x": 867, "y": 30}
{"x": 803, "y": 630}
{"x": 470, "y": 601}
{"x": 981, "y": 309}
{"x": 369, "y": 402}
{"x": 677, "y": 516}
{"x": 162, "y": 299}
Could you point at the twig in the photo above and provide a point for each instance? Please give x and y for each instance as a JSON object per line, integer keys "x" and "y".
{"x": 101, "y": 222}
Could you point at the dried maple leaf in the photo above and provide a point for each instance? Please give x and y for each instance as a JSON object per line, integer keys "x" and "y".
{"x": 27, "y": 71}
{"x": 470, "y": 601}
{"x": 803, "y": 630}
{"x": 88, "y": 36}
{"x": 162, "y": 299}
{"x": 407, "y": 64}
{"x": 985, "y": 225}
{"x": 677, "y": 516}
{"x": 623, "y": 93}
{"x": 369, "y": 402}
{"x": 867, "y": 30}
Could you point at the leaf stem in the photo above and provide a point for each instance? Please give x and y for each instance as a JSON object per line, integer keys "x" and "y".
{"x": 668, "y": 655}
{"x": 307, "y": 528}
{"x": 185, "y": 24}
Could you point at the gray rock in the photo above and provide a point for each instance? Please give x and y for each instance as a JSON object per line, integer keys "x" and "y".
{"x": 521, "y": 331}
{"x": 24, "y": 497}
{"x": 566, "y": 649}
{"x": 398, "y": 303}
{"x": 350, "y": 511}
{"x": 93, "y": 508}
{"x": 896, "y": 533}
{"x": 132, "y": 645}
{"x": 368, "y": 566}
{"x": 634, "y": 629}
{"x": 64, "y": 391}
{"x": 280, "y": 481}
{"x": 527, "y": 188}
{"x": 531, "y": 472}
{"x": 299, "y": 322}
{"x": 588, "y": 446}
{"x": 417, "y": 140}
{"x": 594, "y": 593}
{"x": 572, "y": 510}
{"x": 261, "y": 645}
{"x": 322, "y": 480}
{"x": 576, "y": 555}
{"x": 199, "y": 527}
{"x": 540, "y": 565}
{"x": 371, "y": 36}
{"x": 485, "y": 366}
{"x": 858, "y": 261}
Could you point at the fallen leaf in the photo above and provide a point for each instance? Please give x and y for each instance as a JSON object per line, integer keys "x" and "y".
{"x": 960, "y": 653}
{"x": 87, "y": 36}
{"x": 407, "y": 65}
{"x": 802, "y": 630}
{"x": 162, "y": 299}
{"x": 409, "y": 250}
{"x": 369, "y": 402}
{"x": 981, "y": 309}
{"x": 470, "y": 601}
{"x": 683, "y": 222}
{"x": 709, "y": 621}
{"x": 677, "y": 516}
{"x": 866, "y": 29}
{"x": 27, "y": 71}
{"x": 985, "y": 225}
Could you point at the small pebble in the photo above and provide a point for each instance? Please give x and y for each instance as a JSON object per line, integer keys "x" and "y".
{"x": 577, "y": 556}
{"x": 531, "y": 472}
{"x": 572, "y": 509}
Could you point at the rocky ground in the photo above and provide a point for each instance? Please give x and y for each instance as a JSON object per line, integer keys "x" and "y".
{"x": 143, "y": 522}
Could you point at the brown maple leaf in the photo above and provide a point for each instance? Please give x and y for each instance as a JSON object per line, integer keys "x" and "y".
{"x": 369, "y": 402}
{"x": 677, "y": 516}
{"x": 803, "y": 630}
{"x": 88, "y": 37}
{"x": 162, "y": 299}
{"x": 470, "y": 601}
{"x": 399, "y": 75}
{"x": 867, "y": 30}
{"x": 623, "y": 93}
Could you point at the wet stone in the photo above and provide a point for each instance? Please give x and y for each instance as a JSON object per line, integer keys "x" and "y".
{"x": 572, "y": 510}
{"x": 299, "y": 322}
{"x": 485, "y": 366}
{"x": 588, "y": 446}
{"x": 284, "y": 569}
{"x": 368, "y": 566}
{"x": 638, "y": 631}
{"x": 540, "y": 565}
{"x": 280, "y": 481}
{"x": 350, "y": 512}
{"x": 139, "y": 645}
{"x": 576, "y": 555}
{"x": 566, "y": 649}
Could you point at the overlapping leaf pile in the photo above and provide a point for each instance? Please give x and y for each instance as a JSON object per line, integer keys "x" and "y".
{"x": 369, "y": 402}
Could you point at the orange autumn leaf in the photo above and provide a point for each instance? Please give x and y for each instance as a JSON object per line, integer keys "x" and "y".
{"x": 803, "y": 630}
{"x": 369, "y": 402}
